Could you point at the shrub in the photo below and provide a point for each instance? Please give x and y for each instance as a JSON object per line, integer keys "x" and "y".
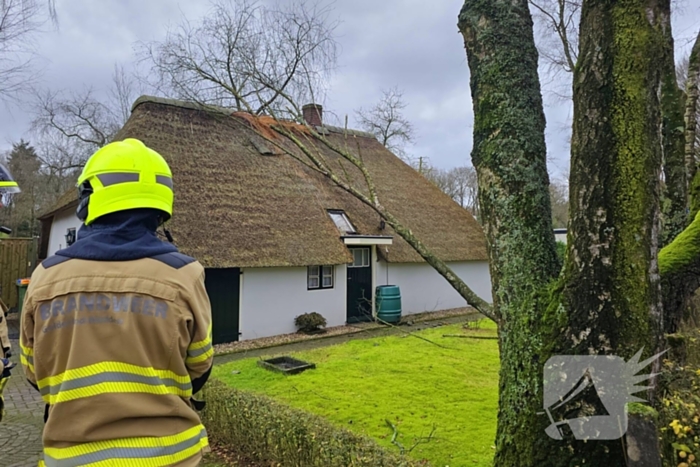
{"x": 679, "y": 414}
{"x": 561, "y": 251}
{"x": 309, "y": 322}
{"x": 267, "y": 432}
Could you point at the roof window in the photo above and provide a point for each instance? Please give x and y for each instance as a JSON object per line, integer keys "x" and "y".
{"x": 342, "y": 222}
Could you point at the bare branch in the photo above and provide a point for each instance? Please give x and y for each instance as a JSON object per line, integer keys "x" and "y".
{"x": 71, "y": 126}
{"x": 20, "y": 20}
{"x": 373, "y": 202}
{"x": 386, "y": 122}
{"x": 248, "y": 56}
{"x": 559, "y": 16}
{"x": 269, "y": 61}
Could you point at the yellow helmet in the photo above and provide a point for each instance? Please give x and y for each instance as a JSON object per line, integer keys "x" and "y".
{"x": 124, "y": 175}
{"x": 8, "y": 186}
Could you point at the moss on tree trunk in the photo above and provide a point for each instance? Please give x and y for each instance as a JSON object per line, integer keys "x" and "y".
{"x": 679, "y": 264}
{"x": 611, "y": 279}
{"x": 675, "y": 209}
{"x": 691, "y": 124}
{"x": 608, "y": 299}
{"x": 611, "y": 274}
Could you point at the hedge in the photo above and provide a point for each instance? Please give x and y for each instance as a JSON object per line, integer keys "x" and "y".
{"x": 267, "y": 432}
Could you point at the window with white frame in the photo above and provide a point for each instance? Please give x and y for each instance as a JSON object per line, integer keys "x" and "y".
{"x": 360, "y": 258}
{"x": 320, "y": 277}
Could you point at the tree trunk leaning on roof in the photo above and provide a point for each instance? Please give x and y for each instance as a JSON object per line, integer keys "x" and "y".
{"x": 273, "y": 83}
{"x": 313, "y": 159}
{"x": 607, "y": 299}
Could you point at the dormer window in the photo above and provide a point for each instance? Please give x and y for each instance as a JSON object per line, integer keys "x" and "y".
{"x": 342, "y": 222}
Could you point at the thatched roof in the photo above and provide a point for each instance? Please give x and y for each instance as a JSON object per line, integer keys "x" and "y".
{"x": 67, "y": 200}
{"x": 241, "y": 202}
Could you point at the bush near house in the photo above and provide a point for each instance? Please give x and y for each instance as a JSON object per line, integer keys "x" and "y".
{"x": 310, "y": 322}
{"x": 679, "y": 412}
{"x": 271, "y": 433}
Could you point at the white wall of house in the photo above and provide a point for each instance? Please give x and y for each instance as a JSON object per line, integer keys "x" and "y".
{"x": 272, "y": 297}
{"x": 423, "y": 289}
{"x": 560, "y": 235}
{"x": 61, "y": 223}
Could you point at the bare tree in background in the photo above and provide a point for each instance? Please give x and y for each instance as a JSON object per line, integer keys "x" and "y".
{"x": 20, "y": 20}
{"x": 70, "y": 126}
{"x": 560, "y": 19}
{"x": 459, "y": 183}
{"x": 387, "y": 123}
{"x": 559, "y": 198}
{"x": 248, "y": 56}
{"x": 557, "y": 23}
{"x": 124, "y": 91}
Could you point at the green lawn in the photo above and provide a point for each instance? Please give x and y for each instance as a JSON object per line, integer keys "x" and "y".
{"x": 414, "y": 384}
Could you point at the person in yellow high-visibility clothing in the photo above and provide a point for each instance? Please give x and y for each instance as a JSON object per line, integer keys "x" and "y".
{"x": 8, "y": 187}
{"x": 116, "y": 328}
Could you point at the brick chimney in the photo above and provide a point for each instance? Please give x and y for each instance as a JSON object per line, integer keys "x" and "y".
{"x": 313, "y": 114}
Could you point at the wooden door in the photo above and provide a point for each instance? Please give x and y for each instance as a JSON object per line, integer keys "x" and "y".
{"x": 223, "y": 287}
{"x": 359, "y": 290}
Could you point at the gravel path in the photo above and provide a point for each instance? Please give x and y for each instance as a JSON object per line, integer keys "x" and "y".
{"x": 20, "y": 429}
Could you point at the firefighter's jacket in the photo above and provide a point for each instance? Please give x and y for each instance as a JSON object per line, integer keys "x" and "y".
{"x": 117, "y": 349}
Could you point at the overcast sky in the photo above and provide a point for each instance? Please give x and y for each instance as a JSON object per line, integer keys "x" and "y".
{"x": 412, "y": 44}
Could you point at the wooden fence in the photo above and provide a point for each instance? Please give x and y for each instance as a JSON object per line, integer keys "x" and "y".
{"x": 18, "y": 258}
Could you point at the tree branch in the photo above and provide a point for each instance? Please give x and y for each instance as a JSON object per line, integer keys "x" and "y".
{"x": 443, "y": 269}
{"x": 679, "y": 266}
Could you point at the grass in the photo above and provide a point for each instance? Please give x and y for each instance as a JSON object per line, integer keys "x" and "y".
{"x": 418, "y": 386}
{"x": 211, "y": 460}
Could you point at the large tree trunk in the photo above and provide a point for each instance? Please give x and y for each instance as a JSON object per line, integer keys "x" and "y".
{"x": 612, "y": 287}
{"x": 510, "y": 158}
{"x": 673, "y": 131}
{"x": 691, "y": 122}
{"x": 608, "y": 299}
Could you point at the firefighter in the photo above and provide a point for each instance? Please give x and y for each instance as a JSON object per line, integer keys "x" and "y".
{"x": 116, "y": 328}
{"x": 8, "y": 188}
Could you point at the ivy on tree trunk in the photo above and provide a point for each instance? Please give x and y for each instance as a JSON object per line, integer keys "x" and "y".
{"x": 509, "y": 155}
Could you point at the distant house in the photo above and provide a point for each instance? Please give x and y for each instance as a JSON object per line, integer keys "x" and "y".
{"x": 278, "y": 239}
{"x": 59, "y": 224}
{"x": 560, "y": 235}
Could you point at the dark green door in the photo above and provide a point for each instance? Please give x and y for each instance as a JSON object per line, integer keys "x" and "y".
{"x": 359, "y": 306}
{"x": 223, "y": 287}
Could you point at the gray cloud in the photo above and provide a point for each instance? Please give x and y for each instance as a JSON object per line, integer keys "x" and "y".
{"x": 411, "y": 44}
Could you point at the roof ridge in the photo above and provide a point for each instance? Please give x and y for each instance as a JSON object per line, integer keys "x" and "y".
{"x": 226, "y": 111}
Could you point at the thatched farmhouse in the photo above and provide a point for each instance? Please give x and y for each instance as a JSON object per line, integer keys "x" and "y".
{"x": 278, "y": 239}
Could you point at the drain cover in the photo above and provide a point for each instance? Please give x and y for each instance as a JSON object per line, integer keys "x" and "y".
{"x": 286, "y": 365}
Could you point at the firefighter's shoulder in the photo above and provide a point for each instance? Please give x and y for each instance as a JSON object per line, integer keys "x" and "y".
{"x": 173, "y": 260}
